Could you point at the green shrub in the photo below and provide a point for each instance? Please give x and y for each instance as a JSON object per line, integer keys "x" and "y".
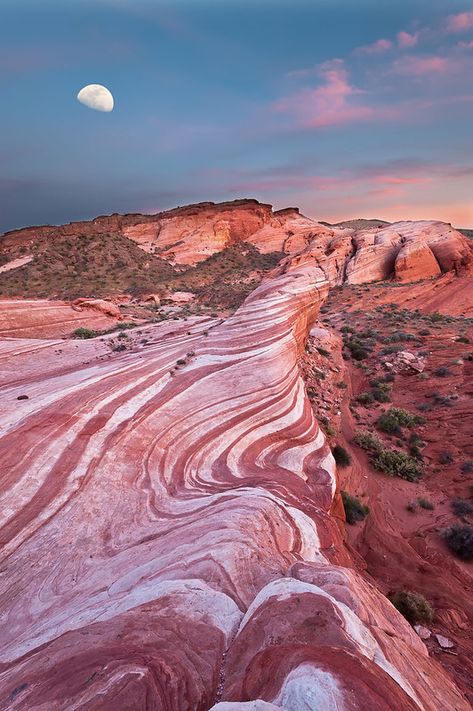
{"x": 442, "y": 372}
{"x": 367, "y": 441}
{"x": 435, "y": 317}
{"x": 387, "y": 423}
{"x": 328, "y": 428}
{"x": 413, "y": 606}
{"x": 84, "y": 333}
{"x": 393, "y": 419}
{"x": 462, "y": 339}
{"x": 426, "y": 504}
{"x": 355, "y": 510}
{"x": 365, "y": 398}
{"x": 381, "y": 394}
{"x": 461, "y": 507}
{"x": 459, "y": 538}
{"x": 396, "y": 463}
{"x": 341, "y": 456}
{"x": 388, "y": 350}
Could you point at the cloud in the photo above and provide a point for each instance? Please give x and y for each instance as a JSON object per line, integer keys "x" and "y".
{"x": 378, "y": 47}
{"x": 460, "y": 22}
{"x": 406, "y": 40}
{"x": 334, "y": 102}
{"x": 411, "y": 65}
{"x": 465, "y": 45}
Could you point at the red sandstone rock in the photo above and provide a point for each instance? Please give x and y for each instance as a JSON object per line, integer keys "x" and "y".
{"x": 105, "y": 307}
{"x": 41, "y": 318}
{"x": 166, "y": 519}
{"x": 415, "y": 261}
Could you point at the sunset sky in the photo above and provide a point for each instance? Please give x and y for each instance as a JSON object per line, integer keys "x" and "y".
{"x": 344, "y": 108}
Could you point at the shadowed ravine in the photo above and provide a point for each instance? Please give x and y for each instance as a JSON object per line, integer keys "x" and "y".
{"x": 166, "y": 533}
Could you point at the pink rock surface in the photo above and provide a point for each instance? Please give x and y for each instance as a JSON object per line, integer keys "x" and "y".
{"x": 37, "y": 318}
{"x": 166, "y": 533}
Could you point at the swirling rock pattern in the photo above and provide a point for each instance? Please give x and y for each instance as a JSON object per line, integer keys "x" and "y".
{"x": 166, "y": 533}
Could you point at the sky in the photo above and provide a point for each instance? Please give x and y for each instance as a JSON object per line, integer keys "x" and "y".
{"x": 343, "y": 108}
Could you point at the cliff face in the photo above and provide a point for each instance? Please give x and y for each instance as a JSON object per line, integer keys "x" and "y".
{"x": 167, "y": 528}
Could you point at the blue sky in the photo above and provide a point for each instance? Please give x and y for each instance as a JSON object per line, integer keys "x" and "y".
{"x": 342, "y": 107}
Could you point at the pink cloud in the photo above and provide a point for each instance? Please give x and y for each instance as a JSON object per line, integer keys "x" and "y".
{"x": 406, "y": 40}
{"x": 461, "y": 22}
{"x": 332, "y": 103}
{"x": 420, "y": 66}
{"x": 378, "y": 47}
{"x": 466, "y": 45}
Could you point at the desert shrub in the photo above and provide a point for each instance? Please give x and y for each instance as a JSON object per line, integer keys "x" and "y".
{"x": 396, "y": 463}
{"x": 393, "y": 419}
{"x": 357, "y": 350}
{"x": 391, "y": 349}
{"x": 441, "y": 372}
{"x": 341, "y": 456}
{"x": 399, "y": 336}
{"x": 426, "y": 504}
{"x": 423, "y": 407}
{"x": 381, "y": 394}
{"x": 328, "y": 428}
{"x": 118, "y": 347}
{"x": 387, "y": 423}
{"x": 367, "y": 441}
{"x": 425, "y": 332}
{"x": 341, "y": 385}
{"x": 355, "y": 510}
{"x": 445, "y": 457}
{"x": 413, "y": 606}
{"x": 84, "y": 333}
{"x": 411, "y": 507}
{"x": 461, "y": 507}
{"x": 459, "y": 538}
{"x": 323, "y": 352}
{"x": 462, "y": 339}
{"x": 435, "y": 317}
{"x": 181, "y": 361}
{"x": 365, "y": 398}
{"x": 467, "y": 467}
{"x": 347, "y": 329}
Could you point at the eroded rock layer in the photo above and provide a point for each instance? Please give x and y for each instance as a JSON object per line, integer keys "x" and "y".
{"x": 166, "y": 533}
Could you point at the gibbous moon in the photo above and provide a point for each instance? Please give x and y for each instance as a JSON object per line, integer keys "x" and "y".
{"x": 97, "y": 97}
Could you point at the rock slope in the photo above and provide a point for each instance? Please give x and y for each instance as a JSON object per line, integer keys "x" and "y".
{"x": 166, "y": 529}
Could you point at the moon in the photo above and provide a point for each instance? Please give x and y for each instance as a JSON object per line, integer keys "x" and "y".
{"x": 97, "y": 97}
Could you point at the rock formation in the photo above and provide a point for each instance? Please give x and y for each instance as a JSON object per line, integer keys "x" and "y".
{"x": 166, "y": 528}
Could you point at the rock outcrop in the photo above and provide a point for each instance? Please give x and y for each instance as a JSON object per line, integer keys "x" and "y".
{"x": 166, "y": 529}
{"x": 37, "y": 318}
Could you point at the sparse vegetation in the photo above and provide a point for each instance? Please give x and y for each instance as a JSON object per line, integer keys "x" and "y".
{"x": 396, "y": 463}
{"x": 393, "y": 419}
{"x": 459, "y": 539}
{"x": 341, "y": 456}
{"x": 426, "y": 504}
{"x": 367, "y": 441}
{"x": 461, "y": 507}
{"x": 442, "y": 372}
{"x": 84, "y": 333}
{"x": 355, "y": 510}
{"x": 413, "y": 606}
